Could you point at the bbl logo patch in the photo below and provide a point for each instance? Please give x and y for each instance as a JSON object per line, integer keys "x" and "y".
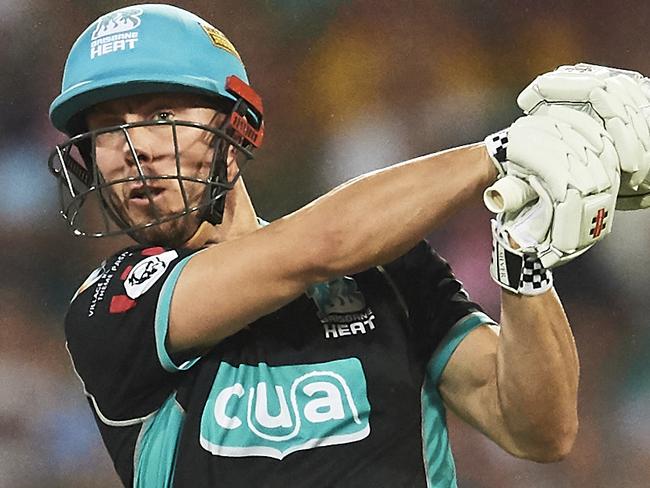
{"x": 272, "y": 411}
{"x": 220, "y": 40}
{"x": 114, "y": 32}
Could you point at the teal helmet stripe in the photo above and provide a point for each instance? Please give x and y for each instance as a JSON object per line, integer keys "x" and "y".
{"x": 144, "y": 49}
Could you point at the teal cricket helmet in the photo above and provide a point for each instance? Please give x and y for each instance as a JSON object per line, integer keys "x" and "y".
{"x": 148, "y": 48}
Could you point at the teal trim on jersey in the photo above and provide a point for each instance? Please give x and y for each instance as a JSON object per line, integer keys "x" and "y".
{"x": 155, "y": 450}
{"x": 161, "y": 322}
{"x": 438, "y": 458}
{"x": 451, "y": 341}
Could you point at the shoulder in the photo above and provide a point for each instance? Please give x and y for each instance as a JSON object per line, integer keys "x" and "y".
{"x": 115, "y": 332}
{"x": 126, "y": 276}
{"x": 115, "y": 329}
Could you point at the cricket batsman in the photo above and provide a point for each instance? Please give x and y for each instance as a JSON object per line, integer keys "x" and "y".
{"x": 322, "y": 349}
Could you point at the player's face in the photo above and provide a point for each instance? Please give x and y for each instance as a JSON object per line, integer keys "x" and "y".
{"x": 138, "y": 202}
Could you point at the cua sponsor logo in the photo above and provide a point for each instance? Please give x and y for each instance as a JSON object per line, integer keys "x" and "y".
{"x": 273, "y": 411}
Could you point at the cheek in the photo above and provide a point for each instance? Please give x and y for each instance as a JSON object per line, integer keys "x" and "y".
{"x": 197, "y": 155}
{"x": 109, "y": 162}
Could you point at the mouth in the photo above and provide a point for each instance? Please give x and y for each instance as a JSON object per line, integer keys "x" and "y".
{"x": 139, "y": 195}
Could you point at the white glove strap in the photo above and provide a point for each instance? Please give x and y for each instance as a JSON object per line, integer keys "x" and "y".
{"x": 515, "y": 271}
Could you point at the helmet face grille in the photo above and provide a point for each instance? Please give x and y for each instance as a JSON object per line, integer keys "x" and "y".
{"x": 116, "y": 191}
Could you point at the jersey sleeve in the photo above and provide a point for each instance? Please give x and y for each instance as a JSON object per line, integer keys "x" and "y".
{"x": 116, "y": 328}
{"x": 439, "y": 310}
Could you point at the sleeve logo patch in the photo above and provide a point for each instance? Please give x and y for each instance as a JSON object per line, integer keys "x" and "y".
{"x": 146, "y": 273}
{"x": 220, "y": 40}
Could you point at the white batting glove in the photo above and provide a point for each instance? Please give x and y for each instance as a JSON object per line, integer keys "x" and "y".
{"x": 570, "y": 167}
{"x": 620, "y": 100}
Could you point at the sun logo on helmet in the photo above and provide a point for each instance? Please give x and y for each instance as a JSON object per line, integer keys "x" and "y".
{"x": 116, "y": 22}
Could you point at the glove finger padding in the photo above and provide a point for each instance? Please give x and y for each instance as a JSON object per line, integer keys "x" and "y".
{"x": 536, "y": 148}
{"x": 580, "y": 132}
{"x": 617, "y": 99}
{"x": 573, "y": 152}
{"x": 589, "y": 128}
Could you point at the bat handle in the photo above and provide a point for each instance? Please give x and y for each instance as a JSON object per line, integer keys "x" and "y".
{"x": 508, "y": 194}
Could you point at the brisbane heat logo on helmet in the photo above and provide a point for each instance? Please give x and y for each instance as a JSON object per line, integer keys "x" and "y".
{"x": 115, "y": 22}
{"x": 114, "y": 32}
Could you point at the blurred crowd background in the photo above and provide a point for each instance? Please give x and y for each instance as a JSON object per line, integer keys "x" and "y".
{"x": 349, "y": 86}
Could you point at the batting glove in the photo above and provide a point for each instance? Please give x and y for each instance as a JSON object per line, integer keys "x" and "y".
{"x": 559, "y": 180}
{"x": 618, "y": 99}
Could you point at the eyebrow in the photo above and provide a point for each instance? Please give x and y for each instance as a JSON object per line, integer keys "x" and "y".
{"x": 124, "y": 106}
{"x": 154, "y": 103}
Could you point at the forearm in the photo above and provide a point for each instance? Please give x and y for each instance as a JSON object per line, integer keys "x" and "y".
{"x": 379, "y": 216}
{"x": 537, "y": 376}
{"x": 368, "y": 221}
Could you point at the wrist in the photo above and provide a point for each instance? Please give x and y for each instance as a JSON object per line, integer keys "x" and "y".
{"x": 496, "y": 145}
{"x": 492, "y": 172}
{"x": 513, "y": 270}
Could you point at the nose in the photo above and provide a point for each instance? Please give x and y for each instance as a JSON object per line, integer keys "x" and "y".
{"x": 138, "y": 147}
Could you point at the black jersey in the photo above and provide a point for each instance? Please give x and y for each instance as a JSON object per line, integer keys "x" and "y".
{"x": 336, "y": 389}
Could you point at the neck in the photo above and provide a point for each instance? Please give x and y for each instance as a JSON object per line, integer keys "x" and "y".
{"x": 239, "y": 219}
{"x": 204, "y": 235}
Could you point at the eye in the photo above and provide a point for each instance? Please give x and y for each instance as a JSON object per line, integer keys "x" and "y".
{"x": 163, "y": 115}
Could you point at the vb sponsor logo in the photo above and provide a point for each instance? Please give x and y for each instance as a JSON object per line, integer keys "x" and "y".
{"x": 272, "y": 411}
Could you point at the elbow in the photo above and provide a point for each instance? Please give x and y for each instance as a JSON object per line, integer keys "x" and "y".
{"x": 551, "y": 452}
{"x": 550, "y": 445}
